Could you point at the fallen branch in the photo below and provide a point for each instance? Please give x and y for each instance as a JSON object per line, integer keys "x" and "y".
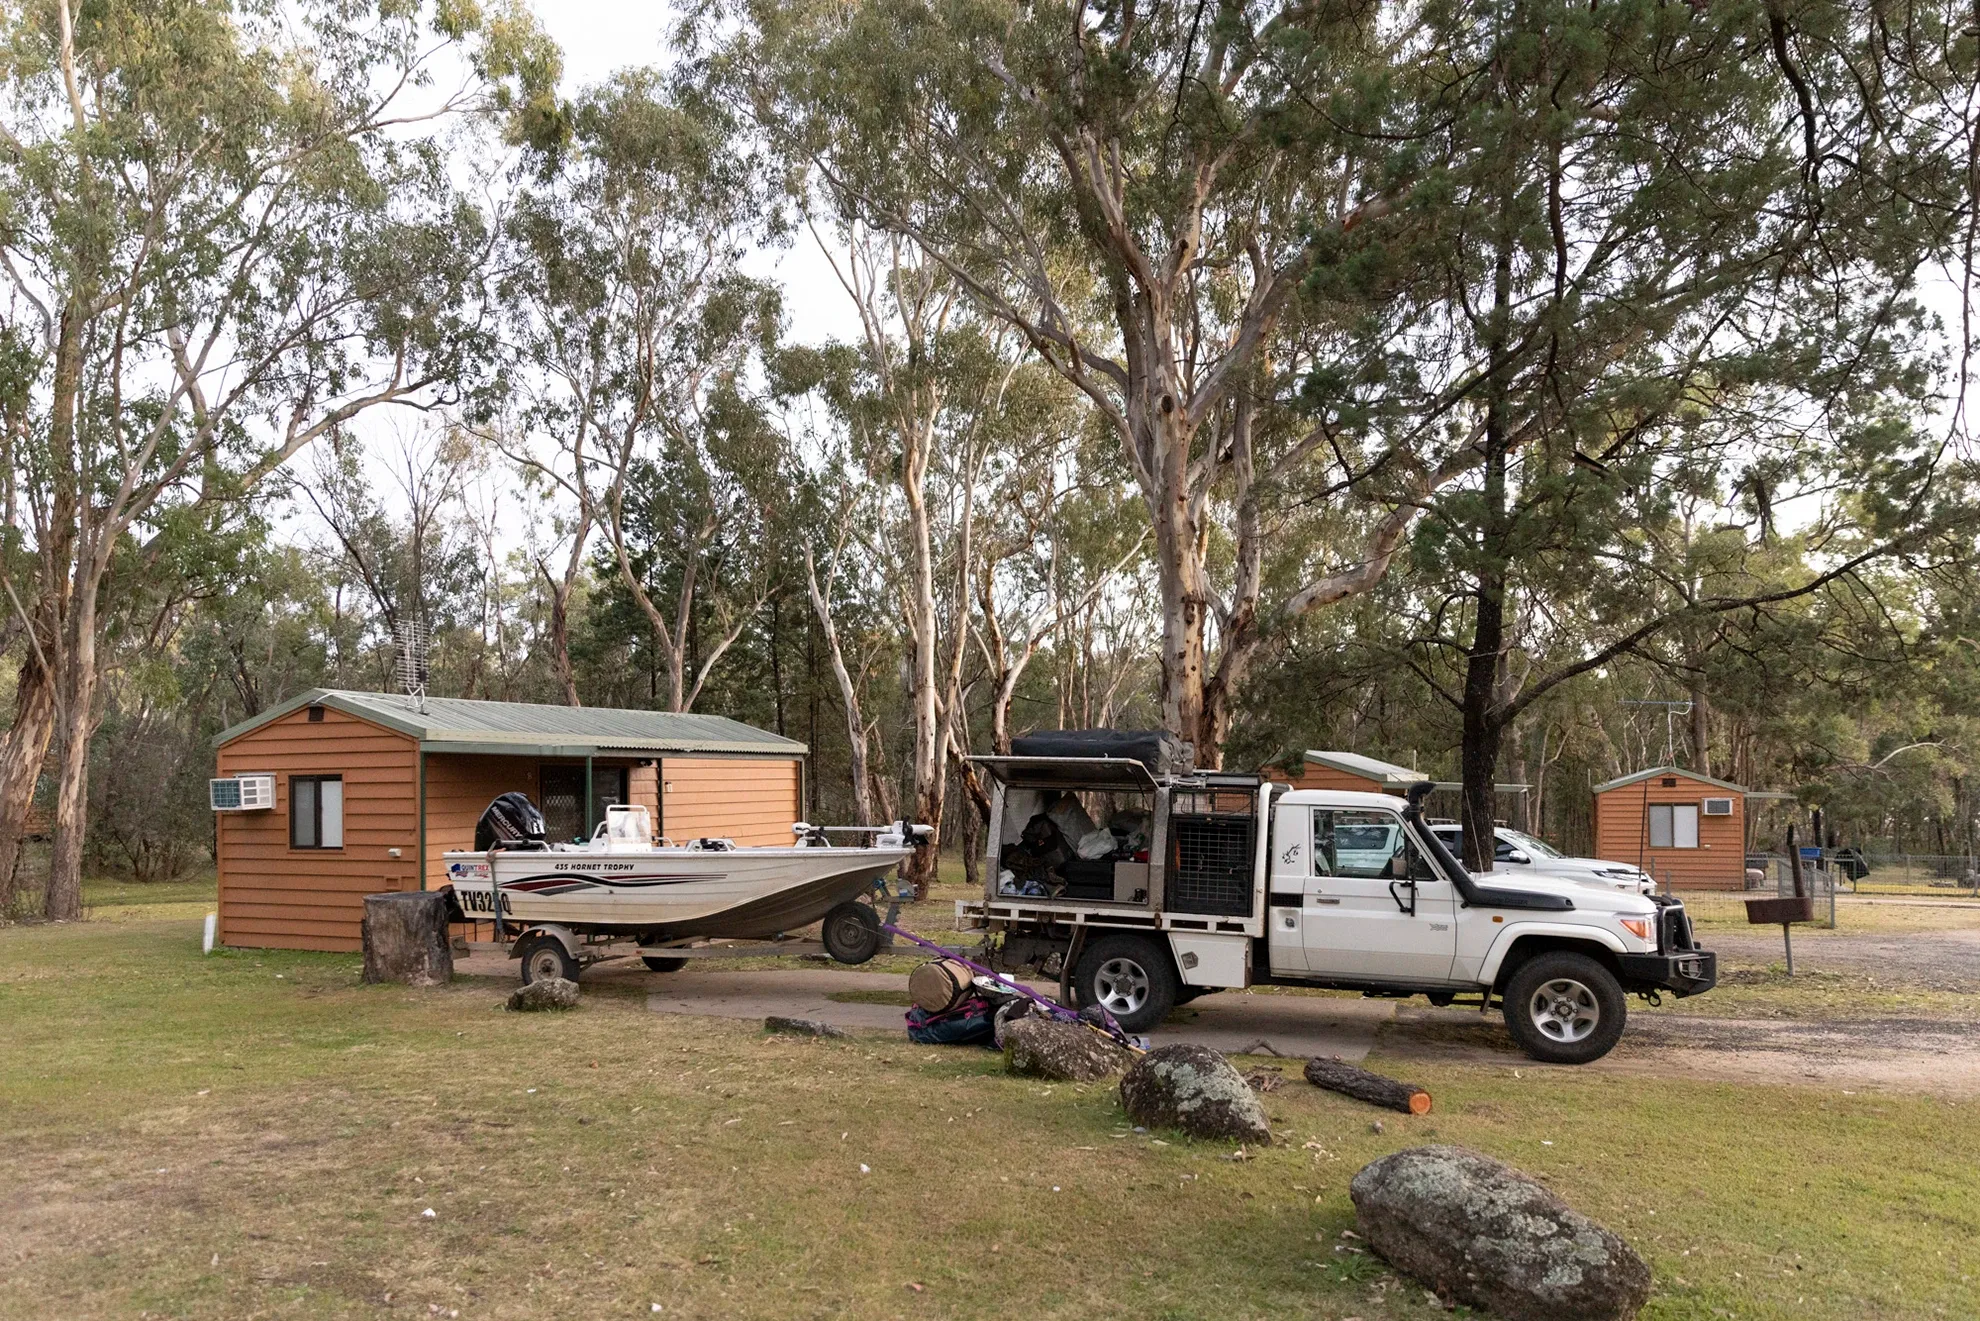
{"x": 1370, "y": 1087}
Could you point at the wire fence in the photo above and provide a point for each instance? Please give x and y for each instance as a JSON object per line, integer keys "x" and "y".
{"x": 1711, "y": 908}
{"x": 1910, "y": 873}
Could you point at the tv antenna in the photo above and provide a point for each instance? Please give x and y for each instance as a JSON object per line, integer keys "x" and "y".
{"x": 413, "y": 640}
{"x": 1672, "y": 710}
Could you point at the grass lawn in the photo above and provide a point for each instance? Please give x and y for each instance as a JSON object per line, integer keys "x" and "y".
{"x": 256, "y": 1134}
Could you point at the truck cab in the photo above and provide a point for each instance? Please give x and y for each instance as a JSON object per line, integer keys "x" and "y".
{"x": 1141, "y": 883}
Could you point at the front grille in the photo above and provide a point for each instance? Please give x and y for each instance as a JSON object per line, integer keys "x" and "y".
{"x": 1210, "y": 864}
{"x": 1674, "y": 928}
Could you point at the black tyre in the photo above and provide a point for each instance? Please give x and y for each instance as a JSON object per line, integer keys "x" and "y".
{"x": 657, "y": 963}
{"x": 544, "y": 957}
{"x": 852, "y": 932}
{"x": 1131, "y": 977}
{"x": 1565, "y": 1008}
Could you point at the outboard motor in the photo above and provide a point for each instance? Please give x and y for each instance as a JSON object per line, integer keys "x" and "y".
{"x": 511, "y": 822}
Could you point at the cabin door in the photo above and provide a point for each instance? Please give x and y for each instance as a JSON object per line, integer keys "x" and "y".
{"x": 563, "y": 799}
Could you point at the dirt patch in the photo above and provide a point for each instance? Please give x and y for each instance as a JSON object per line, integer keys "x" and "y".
{"x": 1939, "y": 1057}
{"x": 1927, "y": 960}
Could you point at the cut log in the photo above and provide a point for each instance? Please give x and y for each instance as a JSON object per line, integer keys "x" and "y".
{"x": 1370, "y": 1087}
{"x": 405, "y": 938}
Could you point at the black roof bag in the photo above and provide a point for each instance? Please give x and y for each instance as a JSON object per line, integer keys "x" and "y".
{"x": 1157, "y": 749}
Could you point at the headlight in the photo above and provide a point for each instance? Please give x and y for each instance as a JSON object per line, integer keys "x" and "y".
{"x": 1643, "y": 928}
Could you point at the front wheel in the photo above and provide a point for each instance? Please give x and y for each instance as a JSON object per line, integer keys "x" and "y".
{"x": 1131, "y": 977}
{"x": 1565, "y": 1008}
{"x": 852, "y": 932}
{"x": 544, "y": 957}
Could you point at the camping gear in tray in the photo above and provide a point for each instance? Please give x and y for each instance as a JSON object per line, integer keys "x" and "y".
{"x": 1062, "y": 853}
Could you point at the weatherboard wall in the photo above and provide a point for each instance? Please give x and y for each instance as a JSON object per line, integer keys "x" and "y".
{"x": 277, "y": 897}
{"x": 752, "y": 800}
{"x": 1313, "y": 775}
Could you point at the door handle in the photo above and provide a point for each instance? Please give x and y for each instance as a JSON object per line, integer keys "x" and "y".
{"x": 1323, "y": 899}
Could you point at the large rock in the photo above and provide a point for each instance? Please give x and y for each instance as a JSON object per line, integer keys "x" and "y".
{"x": 1041, "y": 1047}
{"x": 1480, "y": 1232}
{"x": 1196, "y": 1090}
{"x": 549, "y": 993}
{"x": 405, "y": 938}
{"x": 801, "y": 1027}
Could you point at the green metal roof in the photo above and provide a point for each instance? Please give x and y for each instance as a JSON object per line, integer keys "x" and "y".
{"x": 454, "y": 724}
{"x": 1621, "y": 780}
{"x": 1386, "y": 772}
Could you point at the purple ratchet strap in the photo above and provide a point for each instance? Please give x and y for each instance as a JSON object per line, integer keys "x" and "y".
{"x": 1057, "y": 1011}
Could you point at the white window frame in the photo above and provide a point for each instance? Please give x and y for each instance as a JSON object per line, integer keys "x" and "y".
{"x": 326, "y": 812}
{"x": 1673, "y": 825}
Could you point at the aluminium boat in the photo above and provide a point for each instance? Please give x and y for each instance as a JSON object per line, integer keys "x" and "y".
{"x": 624, "y": 883}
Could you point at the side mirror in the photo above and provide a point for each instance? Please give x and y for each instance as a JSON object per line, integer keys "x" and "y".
{"x": 1519, "y": 857}
{"x": 1399, "y": 866}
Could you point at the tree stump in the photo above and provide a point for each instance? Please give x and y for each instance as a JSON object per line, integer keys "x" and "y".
{"x": 405, "y": 938}
{"x": 1370, "y": 1087}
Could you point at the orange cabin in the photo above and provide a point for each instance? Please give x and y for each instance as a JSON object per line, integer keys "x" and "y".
{"x": 369, "y": 792}
{"x": 1679, "y": 825}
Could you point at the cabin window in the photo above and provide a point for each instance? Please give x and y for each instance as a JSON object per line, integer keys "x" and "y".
{"x": 1674, "y": 825}
{"x": 316, "y": 811}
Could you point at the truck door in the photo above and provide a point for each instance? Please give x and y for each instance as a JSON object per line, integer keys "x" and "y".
{"x": 1374, "y": 906}
{"x": 1287, "y": 874}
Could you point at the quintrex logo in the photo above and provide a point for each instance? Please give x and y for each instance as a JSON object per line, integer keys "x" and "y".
{"x": 594, "y": 866}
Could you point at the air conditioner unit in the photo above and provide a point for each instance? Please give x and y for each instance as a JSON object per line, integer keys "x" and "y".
{"x": 1718, "y": 807}
{"x": 242, "y": 793}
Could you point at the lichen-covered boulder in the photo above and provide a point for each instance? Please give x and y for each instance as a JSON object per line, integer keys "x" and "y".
{"x": 1478, "y": 1231}
{"x": 549, "y": 993}
{"x": 1196, "y": 1090}
{"x": 1041, "y": 1047}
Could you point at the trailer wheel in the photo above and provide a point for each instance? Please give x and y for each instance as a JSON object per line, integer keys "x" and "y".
{"x": 1131, "y": 977}
{"x": 852, "y": 932}
{"x": 1565, "y": 1008}
{"x": 544, "y": 957}
{"x": 657, "y": 963}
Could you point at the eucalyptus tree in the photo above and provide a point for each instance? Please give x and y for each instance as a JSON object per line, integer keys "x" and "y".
{"x": 917, "y": 401}
{"x": 625, "y": 310}
{"x": 1191, "y": 214}
{"x": 1684, "y": 249}
{"x": 231, "y": 229}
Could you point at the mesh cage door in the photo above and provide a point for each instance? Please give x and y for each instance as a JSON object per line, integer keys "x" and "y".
{"x": 1210, "y": 859}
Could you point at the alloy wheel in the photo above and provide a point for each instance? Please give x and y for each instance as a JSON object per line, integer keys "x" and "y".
{"x": 1120, "y": 986}
{"x": 1565, "y": 1010}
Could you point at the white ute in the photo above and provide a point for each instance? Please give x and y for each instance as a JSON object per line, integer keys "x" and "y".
{"x": 1141, "y": 886}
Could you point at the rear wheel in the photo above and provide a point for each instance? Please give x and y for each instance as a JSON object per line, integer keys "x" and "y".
{"x": 656, "y": 963}
{"x": 544, "y": 957}
{"x": 1565, "y": 1008}
{"x": 852, "y": 932}
{"x": 1131, "y": 977}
